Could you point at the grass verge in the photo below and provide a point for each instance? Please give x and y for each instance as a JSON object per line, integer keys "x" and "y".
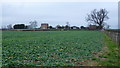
{"x": 110, "y": 55}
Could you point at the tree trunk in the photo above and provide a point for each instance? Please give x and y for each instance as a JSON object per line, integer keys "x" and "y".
{"x": 100, "y": 27}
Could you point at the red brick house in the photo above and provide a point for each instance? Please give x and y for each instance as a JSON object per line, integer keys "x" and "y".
{"x": 44, "y": 26}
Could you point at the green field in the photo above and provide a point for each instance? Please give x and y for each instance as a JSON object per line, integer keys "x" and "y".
{"x": 50, "y": 48}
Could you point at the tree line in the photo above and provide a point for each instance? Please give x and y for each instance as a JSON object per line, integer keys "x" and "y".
{"x": 33, "y": 24}
{"x": 96, "y": 17}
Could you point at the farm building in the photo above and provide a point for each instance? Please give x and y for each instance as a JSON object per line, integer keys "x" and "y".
{"x": 92, "y": 27}
{"x": 44, "y": 26}
{"x": 74, "y": 27}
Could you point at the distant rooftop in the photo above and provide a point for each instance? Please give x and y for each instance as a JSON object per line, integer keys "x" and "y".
{"x": 44, "y": 23}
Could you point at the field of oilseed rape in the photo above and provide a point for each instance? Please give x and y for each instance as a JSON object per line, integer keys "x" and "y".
{"x": 49, "y": 48}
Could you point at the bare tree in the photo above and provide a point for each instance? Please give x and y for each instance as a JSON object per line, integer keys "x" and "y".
{"x": 33, "y": 24}
{"x": 9, "y": 26}
{"x": 98, "y": 17}
{"x": 67, "y": 25}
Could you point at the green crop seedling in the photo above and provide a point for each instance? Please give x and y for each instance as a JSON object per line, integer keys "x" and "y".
{"x": 49, "y": 48}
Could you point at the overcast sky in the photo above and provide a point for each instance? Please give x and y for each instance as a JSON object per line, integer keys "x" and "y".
{"x": 55, "y": 13}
